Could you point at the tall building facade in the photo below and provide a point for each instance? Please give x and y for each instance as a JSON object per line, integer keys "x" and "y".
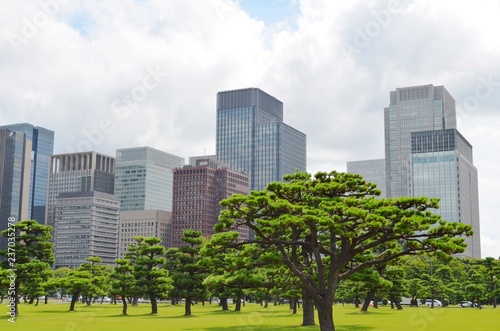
{"x": 198, "y": 189}
{"x": 373, "y": 171}
{"x": 426, "y": 155}
{"x": 42, "y": 147}
{"x": 15, "y": 153}
{"x": 145, "y": 223}
{"x": 86, "y": 224}
{"x": 78, "y": 172}
{"x": 251, "y": 137}
{"x": 144, "y": 178}
{"x": 442, "y": 167}
{"x": 412, "y": 109}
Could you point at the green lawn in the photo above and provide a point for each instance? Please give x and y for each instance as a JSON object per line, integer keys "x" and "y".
{"x": 106, "y": 317}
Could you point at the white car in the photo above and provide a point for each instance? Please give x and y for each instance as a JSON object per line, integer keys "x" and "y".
{"x": 466, "y": 304}
{"x": 437, "y": 303}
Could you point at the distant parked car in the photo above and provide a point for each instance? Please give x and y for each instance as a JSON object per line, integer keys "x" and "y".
{"x": 466, "y": 304}
{"x": 437, "y": 303}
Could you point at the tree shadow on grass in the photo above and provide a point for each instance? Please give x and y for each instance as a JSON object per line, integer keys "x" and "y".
{"x": 284, "y": 327}
{"x": 257, "y": 328}
{"x": 353, "y": 328}
{"x": 375, "y": 312}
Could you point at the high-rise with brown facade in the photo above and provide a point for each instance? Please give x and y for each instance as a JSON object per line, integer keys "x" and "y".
{"x": 198, "y": 189}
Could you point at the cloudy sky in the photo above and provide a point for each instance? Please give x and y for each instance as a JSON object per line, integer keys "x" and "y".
{"x": 121, "y": 73}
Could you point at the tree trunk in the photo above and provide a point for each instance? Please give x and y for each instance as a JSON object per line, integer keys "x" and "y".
{"x": 369, "y": 297}
{"x": 46, "y": 299}
{"x": 37, "y": 301}
{"x": 307, "y": 309}
{"x": 223, "y": 304}
{"x": 124, "y": 301}
{"x": 356, "y": 301}
{"x": 295, "y": 303}
{"x": 74, "y": 298}
{"x": 187, "y": 307}
{"x": 239, "y": 297}
{"x": 395, "y": 301}
{"x": 154, "y": 304}
{"x": 325, "y": 316}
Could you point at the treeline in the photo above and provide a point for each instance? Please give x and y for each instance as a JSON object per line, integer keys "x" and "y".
{"x": 201, "y": 271}
{"x": 321, "y": 239}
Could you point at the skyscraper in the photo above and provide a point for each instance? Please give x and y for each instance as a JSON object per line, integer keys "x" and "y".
{"x": 252, "y": 138}
{"x": 144, "y": 178}
{"x": 373, "y": 171}
{"x": 412, "y": 109}
{"x": 78, "y": 172}
{"x": 15, "y": 152}
{"x": 145, "y": 223}
{"x": 42, "y": 146}
{"x": 426, "y": 155}
{"x": 86, "y": 224}
{"x": 198, "y": 189}
{"x": 442, "y": 168}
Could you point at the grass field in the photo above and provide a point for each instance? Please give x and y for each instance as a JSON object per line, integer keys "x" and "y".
{"x": 106, "y": 317}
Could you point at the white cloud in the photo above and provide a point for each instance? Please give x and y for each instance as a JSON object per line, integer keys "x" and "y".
{"x": 333, "y": 67}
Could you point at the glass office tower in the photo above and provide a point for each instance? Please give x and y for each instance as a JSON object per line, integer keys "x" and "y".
{"x": 15, "y": 151}
{"x": 427, "y": 156}
{"x": 373, "y": 171}
{"x": 144, "y": 178}
{"x": 442, "y": 168}
{"x": 412, "y": 109}
{"x": 252, "y": 138}
{"x": 42, "y": 146}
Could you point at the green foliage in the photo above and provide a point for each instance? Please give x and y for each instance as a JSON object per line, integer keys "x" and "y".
{"x": 234, "y": 270}
{"x": 187, "y": 274}
{"x": 123, "y": 281}
{"x": 330, "y": 227}
{"x": 100, "y": 280}
{"x": 146, "y": 255}
{"x": 89, "y": 280}
{"x": 33, "y": 256}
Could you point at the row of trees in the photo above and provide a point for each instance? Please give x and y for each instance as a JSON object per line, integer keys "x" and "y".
{"x": 422, "y": 277}
{"x": 324, "y": 238}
